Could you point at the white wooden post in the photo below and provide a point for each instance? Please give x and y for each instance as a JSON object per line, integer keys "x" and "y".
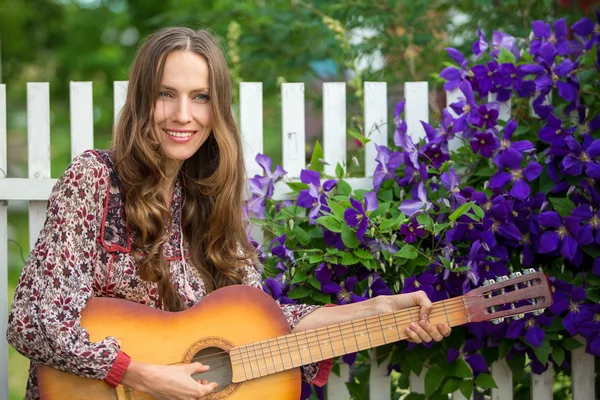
{"x": 334, "y": 125}
{"x": 293, "y": 129}
{"x": 251, "y": 124}
{"x": 417, "y": 382}
{"x": 416, "y": 108}
{"x": 38, "y": 145}
{"x": 380, "y": 386}
{"x": 582, "y": 373}
{"x": 541, "y": 385}
{"x": 505, "y": 107}
{"x": 376, "y": 127}
{"x": 452, "y": 97}
{"x": 3, "y": 253}
{"x": 336, "y": 385}
{"x": 82, "y": 118}
{"x": 503, "y": 376}
{"x": 119, "y": 97}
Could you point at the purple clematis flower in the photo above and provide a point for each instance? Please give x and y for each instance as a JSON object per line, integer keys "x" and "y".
{"x": 411, "y": 231}
{"x": 511, "y": 153}
{"x": 582, "y": 156}
{"x": 279, "y": 249}
{"x": 467, "y": 108}
{"x": 585, "y": 27}
{"x": 480, "y": 45}
{"x": 453, "y": 75}
{"x": 487, "y": 77}
{"x": 503, "y": 40}
{"x": 519, "y": 177}
{"x": 426, "y": 282}
{"x": 570, "y": 321}
{"x": 563, "y": 235}
{"x": 357, "y": 216}
{"x": 399, "y": 122}
{"x": 553, "y": 130}
{"x": 344, "y": 292}
{"x": 315, "y": 197}
{"x": 266, "y": 164}
{"x": 475, "y": 360}
{"x": 530, "y": 327}
{"x": 387, "y": 163}
{"x": 259, "y": 188}
{"x": 412, "y": 207}
{"x": 484, "y": 143}
{"x": 450, "y": 182}
{"x": 543, "y": 34}
{"x": 590, "y": 230}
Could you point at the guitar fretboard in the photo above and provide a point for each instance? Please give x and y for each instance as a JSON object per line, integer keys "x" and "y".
{"x": 257, "y": 359}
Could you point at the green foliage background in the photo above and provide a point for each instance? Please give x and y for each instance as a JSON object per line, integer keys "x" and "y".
{"x": 269, "y": 41}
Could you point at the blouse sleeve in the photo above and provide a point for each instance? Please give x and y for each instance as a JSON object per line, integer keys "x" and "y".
{"x": 56, "y": 282}
{"x": 316, "y": 373}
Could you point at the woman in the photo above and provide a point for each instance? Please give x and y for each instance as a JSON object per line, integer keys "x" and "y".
{"x": 119, "y": 224}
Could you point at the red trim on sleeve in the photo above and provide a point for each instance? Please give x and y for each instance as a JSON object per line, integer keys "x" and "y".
{"x": 118, "y": 369}
{"x": 324, "y": 367}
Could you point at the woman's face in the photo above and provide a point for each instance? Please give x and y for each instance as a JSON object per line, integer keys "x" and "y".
{"x": 182, "y": 111}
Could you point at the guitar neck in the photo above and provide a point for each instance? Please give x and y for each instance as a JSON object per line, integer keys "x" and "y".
{"x": 257, "y": 359}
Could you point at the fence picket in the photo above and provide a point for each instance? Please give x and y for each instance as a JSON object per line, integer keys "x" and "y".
{"x": 251, "y": 124}
{"x": 334, "y": 125}
{"x": 293, "y": 129}
{"x": 119, "y": 96}
{"x": 503, "y": 376}
{"x": 416, "y": 108}
{"x": 452, "y": 97}
{"x": 417, "y": 382}
{"x": 3, "y": 252}
{"x": 38, "y": 146}
{"x": 583, "y": 373}
{"x": 376, "y": 126}
{"x": 541, "y": 385}
{"x": 336, "y": 385}
{"x": 380, "y": 386}
{"x": 82, "y": 117}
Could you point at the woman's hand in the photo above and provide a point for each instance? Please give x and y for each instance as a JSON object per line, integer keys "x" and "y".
{"x": 421, "y": 331}
{"x": 172, "y": 382}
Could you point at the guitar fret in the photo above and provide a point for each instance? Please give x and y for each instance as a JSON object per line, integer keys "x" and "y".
{"x": 382, "y": 330}
{"x": 320, "y": 342}
{"x": 262, "y": 350}
{"x": 272, "y": 355}
{"x": 445, "y": 312}
{"x": 330, "y": 342}
{"x": 342, "y": 339}
{"x": 243, "y": 363}
{"x": 250, "y": 360}
{"x": 397, "y": 326}
{"x": 286, "y": 351}
{"x": 355, "y": 339}
{"x": 368, "y": 333}
{"x": 257, "y": 360}
{"x": 308, "y": 345}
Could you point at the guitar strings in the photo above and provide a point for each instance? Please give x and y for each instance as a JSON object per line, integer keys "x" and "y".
{"x": 145, "y": 396}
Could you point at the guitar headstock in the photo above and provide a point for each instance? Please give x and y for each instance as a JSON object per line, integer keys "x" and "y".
{"x": 509, "y": 296}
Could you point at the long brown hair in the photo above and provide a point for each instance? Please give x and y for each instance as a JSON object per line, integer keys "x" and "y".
{"x": 213, "y": 178}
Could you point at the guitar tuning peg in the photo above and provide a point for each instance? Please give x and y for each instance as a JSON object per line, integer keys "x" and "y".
{"x": 528, "y": 271}
{"x": 497, "y": 321}
{"x": 518, "y": 316}
{"x": 515, "y": 275}
{"x": 502, "y": 278}
{"x": 538, "y": 312}
{"x": 488, "y": 282}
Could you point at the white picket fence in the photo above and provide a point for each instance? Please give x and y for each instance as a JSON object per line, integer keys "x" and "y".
{"x": 36, "y": 188}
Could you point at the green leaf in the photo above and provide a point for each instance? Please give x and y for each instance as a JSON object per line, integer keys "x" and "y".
{"x": 363, "y": 254}
{"x": 389, "y": 224}
{"x": 558, "y": 354}
{"x": 571, "y": 344}
{"x": 314, "y": 282}
{"x": 451, "y": 385}
{"x": 299, "y": 276}
{"x": 339, "y": 171}
{"x": 407, "y": 251}
{"x": 460, "y": 369}
{"x": 466, "y": 388}
{"x": 478, "y": 211}
{"x": 297, "y": 187}
{"x": 434, "y": 377}
{"x": 358, "y": 136}
{"x": 543, "y": 351}
{"x": 317, "y": 154}
{"x": 301, "y": 235}
{"x": 300, "y": 292}
{"x": 460, "y": 211}
{"x": 315, "y": 258}
{"x": 321, "y": 298}
{"x": 349, "y": 259}
{"x": 344, "y": 187}
{"x": 349, "y": 237}
{"x": 485, "y": 381}
{"x": 336, "y": 209}
{"x": 563, "y": 206}
{"x": 485, "y": 172}
{"x": 331, "y": 223}
{"x": 506, "y": 56}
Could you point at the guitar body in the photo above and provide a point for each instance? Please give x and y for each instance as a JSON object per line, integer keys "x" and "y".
{"x": 226, "y": 318}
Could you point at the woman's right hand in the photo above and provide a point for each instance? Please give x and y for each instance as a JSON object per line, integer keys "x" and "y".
{"x": 168, "y": 382}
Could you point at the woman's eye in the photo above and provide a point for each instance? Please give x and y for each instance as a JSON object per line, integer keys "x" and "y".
{"x": 202, "y": 97}
{"x": 164, "y": 94}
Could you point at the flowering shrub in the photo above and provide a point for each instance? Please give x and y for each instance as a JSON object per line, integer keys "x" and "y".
{"x": 517, "y": 193}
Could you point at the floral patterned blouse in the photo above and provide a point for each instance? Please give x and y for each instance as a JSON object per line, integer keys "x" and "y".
{"x": 84, "y": 251}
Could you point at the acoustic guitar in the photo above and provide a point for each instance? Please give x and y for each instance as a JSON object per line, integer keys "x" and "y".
{"x": 241, "y": 333}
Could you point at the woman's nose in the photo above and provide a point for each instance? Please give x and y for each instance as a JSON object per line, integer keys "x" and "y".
{"x": 182, "y": 112}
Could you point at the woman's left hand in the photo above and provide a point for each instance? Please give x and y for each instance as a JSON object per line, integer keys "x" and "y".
{"x": 419, "y": 331}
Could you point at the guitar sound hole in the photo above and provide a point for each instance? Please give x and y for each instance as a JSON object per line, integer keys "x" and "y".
{"x": 220, "y": 366}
